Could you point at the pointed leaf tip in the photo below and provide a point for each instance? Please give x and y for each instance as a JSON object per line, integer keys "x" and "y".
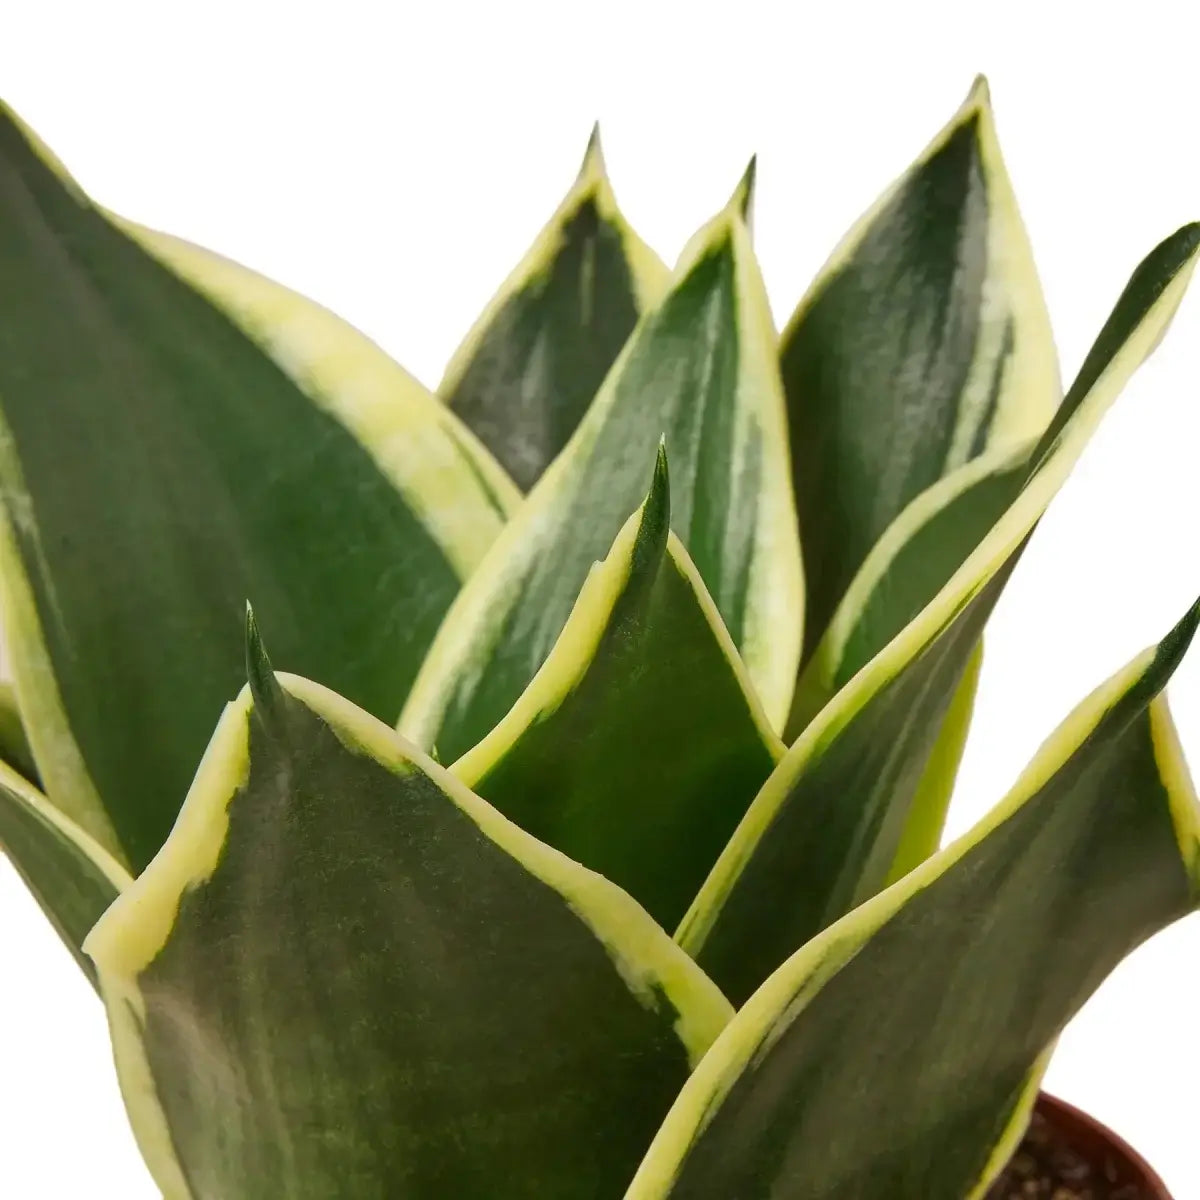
{"x": 264, "y": 687}
{"x": 593, "y": 157}
{"x": 656, "y": 513}
{"x": 980, "y": 95}
{"x": 743, "y": 195}
{"x": 1175, "y": 645}
{"x": 660, "y": 459}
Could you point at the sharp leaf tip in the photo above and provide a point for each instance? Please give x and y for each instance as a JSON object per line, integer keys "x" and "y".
{"x": 593, "y": 157}
{"x": 264, "y": 687}
{"x": 656, "y": 512}
{"x": 742, "y": 200}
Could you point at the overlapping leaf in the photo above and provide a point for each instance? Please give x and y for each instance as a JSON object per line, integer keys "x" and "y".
{"x": 373, "y": 984}
{"x": 825, "y": 832}
{"x": 701, "y": 370}
{"x": 156, "y": 466}
{"x": 906, "y": 568}
{"x": 899, "y": 1053}
{"x": 922, "y": 344}
{"x": 528, "y": 370}
{"x": 638, "y": 746}
{"x": 73, "y": 878}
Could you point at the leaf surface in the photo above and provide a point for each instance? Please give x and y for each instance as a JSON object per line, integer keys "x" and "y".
{"x": 639, "y": 745}
{"x": 157, "y": 466}
{"x": 950, "y": 988}
{"x": 529, "y": 368}
{"x": 72, "y": 878}
{"x": 374, "y": 985}
{"x": 923, "y": 343}
{"x": 701, "y": 370}
{"x": 825, "y": 832}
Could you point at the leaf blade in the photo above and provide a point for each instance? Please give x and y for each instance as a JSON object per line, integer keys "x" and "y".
{"x": 923, "y": 342}
{"x": 73, "y": 879}
{"x": 853, "y": 773}
{"x": 147, "y": 438}
{"x": 425, "y": 1055}
{"x": 700, "y": 369}
{"x": 955, "y": 982}
{"x": 404, "y": 428}
{"x": 528, "y": 369}
{"x": 639, "y": 744}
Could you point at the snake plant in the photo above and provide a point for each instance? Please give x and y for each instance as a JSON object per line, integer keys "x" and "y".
{"x": 588, "y": 846}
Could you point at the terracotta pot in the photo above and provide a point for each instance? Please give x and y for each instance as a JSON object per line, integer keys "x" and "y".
{"x": 1110, "y": 1158}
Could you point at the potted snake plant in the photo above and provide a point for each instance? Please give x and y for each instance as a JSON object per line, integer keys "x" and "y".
{"x": 585, "y": 844}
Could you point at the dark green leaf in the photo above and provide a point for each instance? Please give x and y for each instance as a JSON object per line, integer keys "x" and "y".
{"x": 824, "y": 833}
{"x": 530, "y": 367}
{"x": 638, "y": 746}
{"x": 374, "y": 985}
{"x": 899, "y": 1053}
{"x": 701, "y": 370}
{"x": 923, "y": 342}
{"x": 907, "y": 567}
{"x": 71, "y": 876}
{"x": 158, "y": 467}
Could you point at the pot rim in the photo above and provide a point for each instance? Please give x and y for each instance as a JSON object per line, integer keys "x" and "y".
{"x": 1074, "y": 1122}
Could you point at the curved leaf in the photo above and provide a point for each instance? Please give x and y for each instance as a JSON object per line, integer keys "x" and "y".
{"x": 156, "y": 467}
{"x": 73, "y": 879}
{"x": 375, "y": 985}
{"x": 639, "y": 745}
{"x": 953, "y": 984}
{"x": 920, "y": 552}
{"x": 923, "y": 342}
{"x": 459, "y": 492}
{"x": 535, "y": 358}
{"x": 700, "y": 370}
{"x": 824, "y": 833}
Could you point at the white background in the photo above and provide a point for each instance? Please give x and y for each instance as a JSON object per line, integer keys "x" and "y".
{"x": 396, "y": 163}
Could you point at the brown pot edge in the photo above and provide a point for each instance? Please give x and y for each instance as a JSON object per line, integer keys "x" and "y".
{"x": 1080, "y": 1125}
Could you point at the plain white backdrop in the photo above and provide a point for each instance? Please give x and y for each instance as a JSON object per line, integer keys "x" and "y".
{"x": 394, "y": 161}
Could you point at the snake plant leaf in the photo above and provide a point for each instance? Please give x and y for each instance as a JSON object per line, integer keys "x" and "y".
{"x": 824, "y": 833}
{"x": 922, "y": 831}
{"x": 14, "y": 744}
{"x": 949, "y": 988}
{"x": 905, "y": 570}
{"x": 156, "y": 467}
{"x": 701, "y": 370}
{"x": 374, "y": 984}
{"x": 639, "y": 745}
{"x": 72, "y": 877}
{"x": 536, "y": 357}
{"x": 923, "y": 342}
{"x": 424, "y": 450}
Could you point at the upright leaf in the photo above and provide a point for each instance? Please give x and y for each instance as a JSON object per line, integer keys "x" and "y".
{"x": 825, "y": 832}
{"x": 73, "y": 878}
{"x": 448, "y": 478}
{"x": 156, "y": 467}
{"x": 535, "y": 358}
{"x": 920, "y": 552}
{"x": 922, "y": 343}
{"x": 700, "y": 370}
{"x": 953, "y": 984}
{"x": 639, "y": 745}
{"x": 372, "y": 984}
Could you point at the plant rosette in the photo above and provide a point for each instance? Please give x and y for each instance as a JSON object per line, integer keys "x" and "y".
{"x": 588, "y": 842}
